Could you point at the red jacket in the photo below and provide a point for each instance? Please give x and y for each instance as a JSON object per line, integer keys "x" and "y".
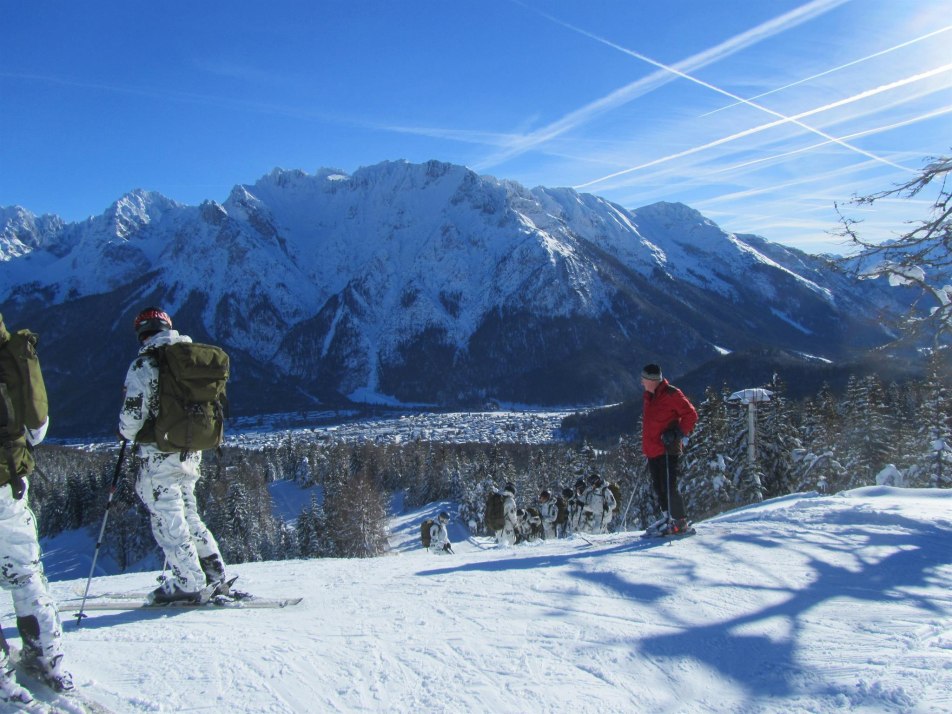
{"x": 663, "y": 408}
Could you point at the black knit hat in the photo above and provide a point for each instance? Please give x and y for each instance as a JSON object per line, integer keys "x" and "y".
{"x": 651, "y": 372}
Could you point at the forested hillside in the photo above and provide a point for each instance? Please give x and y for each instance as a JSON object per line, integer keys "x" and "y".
{"x": 901, "y": 434}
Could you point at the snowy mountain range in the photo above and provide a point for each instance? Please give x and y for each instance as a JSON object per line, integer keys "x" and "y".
{"x": 416, "y": 284}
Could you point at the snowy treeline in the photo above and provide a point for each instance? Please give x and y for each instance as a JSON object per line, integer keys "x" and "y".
{"x": 875, "y": 433}
{"x": 900, "y": 435}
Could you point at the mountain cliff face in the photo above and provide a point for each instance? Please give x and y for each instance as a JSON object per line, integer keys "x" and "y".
{"x": 414, "y": 283}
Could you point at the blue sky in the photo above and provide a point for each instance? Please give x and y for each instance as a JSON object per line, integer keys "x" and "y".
{"x": 760, "y": 114}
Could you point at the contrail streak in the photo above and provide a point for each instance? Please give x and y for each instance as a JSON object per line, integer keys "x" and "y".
{"x": 855, "y": 135}
{"x": 754, "y": 105}
{"x": 835, "y": 69}
{"x": 779, "y": 122}
{"x": 636, "y": 89}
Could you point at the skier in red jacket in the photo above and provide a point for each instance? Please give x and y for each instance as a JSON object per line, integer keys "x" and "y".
{"x": 667, "y": 418}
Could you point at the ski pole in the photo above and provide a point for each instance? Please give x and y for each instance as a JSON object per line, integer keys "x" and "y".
{"x": 667, "y": 473}
{"x": 624, "y": 519}
{"x": 112, "y": 492}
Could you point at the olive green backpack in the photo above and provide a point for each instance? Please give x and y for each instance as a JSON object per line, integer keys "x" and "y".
{"x": 192, "y": 399}
{"x": 425, "y": 532}
{"x": 23, "y": 403}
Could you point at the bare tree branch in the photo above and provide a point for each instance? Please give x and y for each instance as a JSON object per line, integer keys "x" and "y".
{"x": 921, "y": 258}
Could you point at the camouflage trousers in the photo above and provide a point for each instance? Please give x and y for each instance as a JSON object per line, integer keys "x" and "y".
{"x": 166, "y": 485}
{"x": 21, "y": 573}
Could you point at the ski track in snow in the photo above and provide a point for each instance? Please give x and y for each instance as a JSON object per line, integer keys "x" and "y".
{"x": 802, "y": 604}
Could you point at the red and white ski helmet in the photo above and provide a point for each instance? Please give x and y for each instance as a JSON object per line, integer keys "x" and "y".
{"x": 152, "y": 320}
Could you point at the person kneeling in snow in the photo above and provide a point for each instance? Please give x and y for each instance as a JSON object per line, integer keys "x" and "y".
{"x": 439, "y": 537}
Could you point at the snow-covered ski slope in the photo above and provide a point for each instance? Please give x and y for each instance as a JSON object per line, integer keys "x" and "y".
{"x": 801, "y": 604}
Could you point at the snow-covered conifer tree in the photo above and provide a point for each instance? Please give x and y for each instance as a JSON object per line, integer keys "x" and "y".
{"x": 357, "y": 516}
{"x": 706, "y": 483}
{"x": 311, "y": 531}
{"x": 933, "y": 461}
{"x": 777, "y": 438}
{"x": 868, "y": 441}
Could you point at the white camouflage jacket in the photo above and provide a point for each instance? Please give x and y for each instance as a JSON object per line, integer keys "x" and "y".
{"x": 439, "y": 538}
{"x": 140, "y": 399}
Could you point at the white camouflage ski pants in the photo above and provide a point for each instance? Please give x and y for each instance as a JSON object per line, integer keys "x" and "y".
{"x": 21, "y": 571}
{"x": 166, "y": 485}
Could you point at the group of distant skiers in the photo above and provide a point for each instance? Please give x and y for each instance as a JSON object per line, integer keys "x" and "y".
{"x": 668, "y": 417}
{"x": 588, "y": 507}
{"x": 166, "y": 477}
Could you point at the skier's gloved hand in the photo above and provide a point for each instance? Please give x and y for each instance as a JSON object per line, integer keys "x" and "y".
{"x": 669, "y": 437}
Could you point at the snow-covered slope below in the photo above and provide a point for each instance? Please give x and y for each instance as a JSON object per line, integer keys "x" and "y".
{"x": 807, "y": 603}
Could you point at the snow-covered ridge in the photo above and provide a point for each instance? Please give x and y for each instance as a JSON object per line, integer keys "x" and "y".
{"x": 428, "y": 283}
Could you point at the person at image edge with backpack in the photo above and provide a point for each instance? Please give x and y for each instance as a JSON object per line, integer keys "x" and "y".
{"x": 167, "y": 474}
{"x": 667, "y": 419}
{"x": 24, "y": 420}
{"x": 436, "y": 538}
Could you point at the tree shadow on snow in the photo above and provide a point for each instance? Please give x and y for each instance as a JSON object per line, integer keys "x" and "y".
{"x": 760, "y": 664}
{"x": 768, "y": 666}
{"x": 547, "y": 560}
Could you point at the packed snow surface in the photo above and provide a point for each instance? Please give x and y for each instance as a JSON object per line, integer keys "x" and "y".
{"x": 806, "y": 603}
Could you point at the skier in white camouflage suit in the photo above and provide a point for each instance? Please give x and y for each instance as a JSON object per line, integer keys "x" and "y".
{"x": 549, "y": 511}
{"x": 507, "y": 535}
{"x": 600, "y": 502}
{"x": 166, "y": 481}
{"x": 576, "y": 504}
{"x": 439, "y": 536}
{"x": 21, "y": 571}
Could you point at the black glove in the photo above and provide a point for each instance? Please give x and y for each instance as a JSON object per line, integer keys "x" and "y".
{"x": 671, "y": 436}
{"x": 17, "y": 486}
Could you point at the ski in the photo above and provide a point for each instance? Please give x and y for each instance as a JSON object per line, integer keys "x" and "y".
{"x": 47, "y": 699}
{"x": 689, "y": 531}
{"x": 143, "y": 594}
{"x": 487, "y": 544}
{"x": 34, "y": 706}
{"x": 582, "y": 537}
{"x": 216, "y": 603}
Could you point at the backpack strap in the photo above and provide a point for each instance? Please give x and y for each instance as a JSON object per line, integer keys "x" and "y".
{"x": 6, "y": 416}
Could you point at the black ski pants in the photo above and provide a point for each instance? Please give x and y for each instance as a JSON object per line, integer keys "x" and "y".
{"x": 664, "y": 476}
